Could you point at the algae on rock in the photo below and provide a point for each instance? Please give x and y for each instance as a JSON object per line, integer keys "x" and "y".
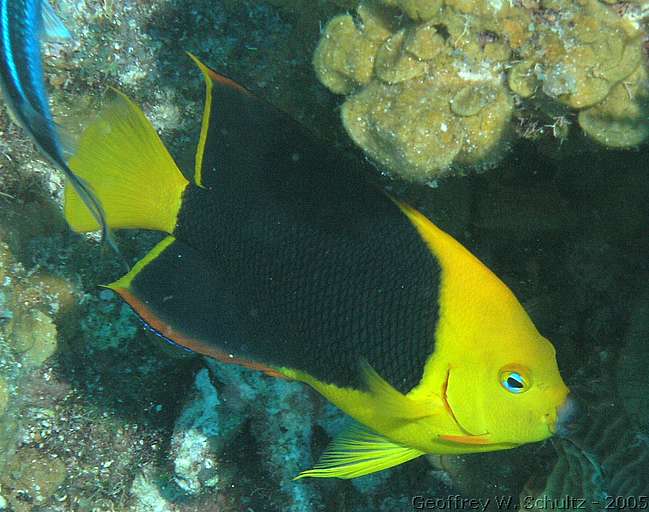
{"x": 32, "y": 477}
{"x": 4, "y": 396}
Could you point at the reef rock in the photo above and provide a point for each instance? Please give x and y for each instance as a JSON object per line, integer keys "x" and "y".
{"x": 199, "y": 426}
{"x": 31, "y": 478}
{"x": 35, "y": 337}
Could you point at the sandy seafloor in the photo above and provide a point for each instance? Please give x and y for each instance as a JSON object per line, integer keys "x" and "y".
{"x": 97, "y": 414}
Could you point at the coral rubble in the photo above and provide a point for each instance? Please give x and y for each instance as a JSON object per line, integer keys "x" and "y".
{"x": 434, "y": 86}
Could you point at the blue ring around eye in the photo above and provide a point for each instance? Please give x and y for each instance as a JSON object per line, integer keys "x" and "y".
{"x": 513, "y": 382}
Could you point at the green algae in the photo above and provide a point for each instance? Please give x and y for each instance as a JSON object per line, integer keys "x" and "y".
{"x": 4, "y": 396}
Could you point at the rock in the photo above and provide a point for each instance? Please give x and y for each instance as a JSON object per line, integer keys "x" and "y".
{"x": 34, "y": 336}
{"x": 32, "y": 477}
{"x": 195, "y": 432}
{"x": 148, "y": 496}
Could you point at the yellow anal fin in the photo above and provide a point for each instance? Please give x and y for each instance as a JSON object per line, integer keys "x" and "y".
{"x": 357, "y": 452}
{"x": 128, "y": 168}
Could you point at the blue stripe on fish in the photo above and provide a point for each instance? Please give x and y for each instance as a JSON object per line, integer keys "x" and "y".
{"x": 23, "y": 84}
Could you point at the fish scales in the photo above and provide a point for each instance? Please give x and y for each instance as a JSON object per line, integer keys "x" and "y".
{"x": 314, "y": 266}
{"x": 316, "y": 285}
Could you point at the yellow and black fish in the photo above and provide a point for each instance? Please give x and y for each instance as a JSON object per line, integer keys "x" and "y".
{"x": 282, "y": 256}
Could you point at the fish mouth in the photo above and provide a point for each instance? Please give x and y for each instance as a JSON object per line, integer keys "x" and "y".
{"x": 566, "y": 413}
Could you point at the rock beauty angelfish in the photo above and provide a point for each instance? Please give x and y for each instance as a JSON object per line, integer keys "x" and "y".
{"x": 282, "y": 256}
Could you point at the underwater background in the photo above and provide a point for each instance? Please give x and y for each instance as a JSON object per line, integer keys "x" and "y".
{"x": 538, "y": 168}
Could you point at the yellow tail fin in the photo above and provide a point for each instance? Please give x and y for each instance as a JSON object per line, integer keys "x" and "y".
{"x": 126, "y": 165}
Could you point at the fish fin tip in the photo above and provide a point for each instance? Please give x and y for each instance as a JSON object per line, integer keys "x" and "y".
{"x": 179, "y": 299}
{"x": 122, "y": 143}
{"x": 205, "y": 121}
{"x": 213, "y": 76}
{"x": 53, "y": 28}
{"x": 232, "y": 102}
{"x": 67, "y": 141}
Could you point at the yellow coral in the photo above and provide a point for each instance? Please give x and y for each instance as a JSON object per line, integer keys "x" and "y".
{"x": 344, "y": 57}
{"x": 434, "y": 90}
{"x": 394, "y": 63}
{"x": 486, "y": 130}
{"x": 622, "y": 119}
{"x": 522, "y": 79}
{"x": 424, "y": 42}
{"x": 404, "y": 127}
{"x": 420, "y": 10}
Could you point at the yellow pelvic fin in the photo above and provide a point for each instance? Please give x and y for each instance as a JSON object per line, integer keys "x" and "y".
{"x": 396, "y": 405}
{"x": 357, "y": 452}
{"x": 128, "y": 168}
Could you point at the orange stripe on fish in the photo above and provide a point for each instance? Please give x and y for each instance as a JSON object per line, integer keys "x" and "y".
{"x": 465, "y": 439}
{"x": 198, "y": 346}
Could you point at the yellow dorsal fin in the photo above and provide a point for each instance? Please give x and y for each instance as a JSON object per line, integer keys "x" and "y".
{"x": 396, "y": 405}
{"x": 357, "y": 452}
{"x": 128, "y": 168}
{"x": 205, "y": 123}
{"x": 229, "y": 101}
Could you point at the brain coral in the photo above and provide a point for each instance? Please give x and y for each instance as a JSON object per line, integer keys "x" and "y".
{"x": 432, "y": 85}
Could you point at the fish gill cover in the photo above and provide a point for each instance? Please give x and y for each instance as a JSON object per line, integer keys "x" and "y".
{"x": 97, "y": 414}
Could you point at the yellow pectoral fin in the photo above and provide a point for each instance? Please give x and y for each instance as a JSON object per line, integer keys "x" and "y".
{"x": 468, "y": 439}
{"x": 396, "y": 405}
{"x": 357, "y": 452}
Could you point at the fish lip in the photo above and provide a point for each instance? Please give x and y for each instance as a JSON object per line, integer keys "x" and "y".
{"x": 566, "y": 413}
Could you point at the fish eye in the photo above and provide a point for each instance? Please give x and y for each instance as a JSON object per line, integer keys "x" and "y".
{"x": 513, "y": 381}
